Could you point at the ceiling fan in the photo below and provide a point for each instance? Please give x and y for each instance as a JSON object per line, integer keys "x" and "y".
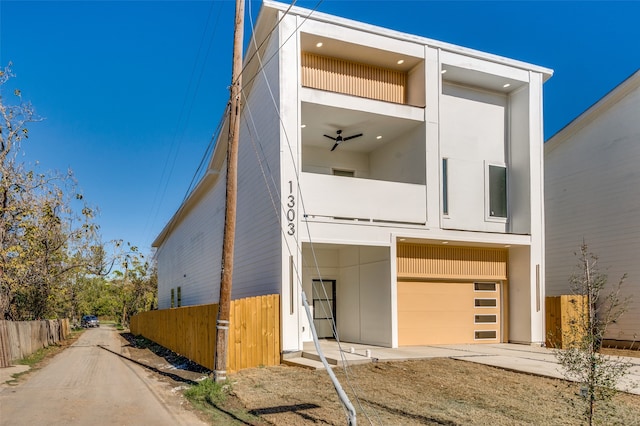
{"x": 339, "y": 139}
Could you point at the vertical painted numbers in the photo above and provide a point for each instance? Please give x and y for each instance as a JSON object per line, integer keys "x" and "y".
{"x": 291, "y": 213}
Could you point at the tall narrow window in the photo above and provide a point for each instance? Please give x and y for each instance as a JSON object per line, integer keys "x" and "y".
{"x": 179, "y": 296}
{"x": 173, "y": 298}
{"x": 445, "y": 186}
{"x": 497, "y": 191}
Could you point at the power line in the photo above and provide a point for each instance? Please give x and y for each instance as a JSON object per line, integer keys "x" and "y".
{"x": 348, "y": 373}
{"x": 183, "y": 118}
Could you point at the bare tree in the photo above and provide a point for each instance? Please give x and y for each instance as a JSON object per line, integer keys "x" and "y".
{"x": 581, "y": 359}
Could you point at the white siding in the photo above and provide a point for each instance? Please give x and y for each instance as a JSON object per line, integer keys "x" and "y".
{"x": 190, "y": 257}
{"x": 592, "y": 192}
{"x": 258, "y": 244}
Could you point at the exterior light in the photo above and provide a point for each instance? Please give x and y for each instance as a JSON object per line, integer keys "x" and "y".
{"x": 506, "y": 85}
{"x": 303, "y": 126}
{"x": 445, "y": 242}
{"x": 379, "y": 137}
{"x": 443, "y": 71}
{"x": 319, "y": 44}
{"x": 400, "y": 61}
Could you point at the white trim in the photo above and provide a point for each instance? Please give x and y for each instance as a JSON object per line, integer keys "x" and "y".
{"x": 348, "y": 23}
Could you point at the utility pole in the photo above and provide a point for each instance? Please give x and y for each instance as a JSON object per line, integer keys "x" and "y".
{"x": 224, "y": 302}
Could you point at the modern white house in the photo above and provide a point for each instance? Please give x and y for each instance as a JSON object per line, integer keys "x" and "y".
{"x": 396, "y": 180}
{"x": 592, "y": 194}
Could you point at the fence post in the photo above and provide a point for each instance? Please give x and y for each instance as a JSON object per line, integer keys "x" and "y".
{"x": 5, "y": 349}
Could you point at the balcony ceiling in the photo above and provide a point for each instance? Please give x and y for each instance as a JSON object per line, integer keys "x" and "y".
{"x": 480, "y": 79}
{"x": 357, "y": 53}
{"x": 319, "y": 120}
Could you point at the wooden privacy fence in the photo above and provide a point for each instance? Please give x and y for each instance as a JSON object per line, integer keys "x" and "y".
{"x": 254, "y": 334}
{"x": 564, "y": 315}
{"x": 19, "y": 339}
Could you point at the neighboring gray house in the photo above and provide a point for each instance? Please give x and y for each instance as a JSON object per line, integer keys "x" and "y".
{"x": 592, "y": 192}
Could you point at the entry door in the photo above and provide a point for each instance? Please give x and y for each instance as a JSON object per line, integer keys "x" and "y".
{"x": 324, "y": 307}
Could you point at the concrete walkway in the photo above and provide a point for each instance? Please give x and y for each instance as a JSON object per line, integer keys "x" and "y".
{"x": 522, "y": 358}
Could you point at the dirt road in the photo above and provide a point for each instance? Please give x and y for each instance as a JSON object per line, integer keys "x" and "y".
{"x": 88, "y": 384}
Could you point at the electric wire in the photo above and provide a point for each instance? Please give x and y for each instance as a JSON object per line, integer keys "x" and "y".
{"x": 298, "y": 245}
{"x": 264, "y": 63}
{"x": 275, "y": 26}
{"x": 298, "y": 248}
{"x": 183, "y": 118}
{"x": 207, "y": 153}
{"x": 329, "y": 314}
{"x": 262, "y": 160}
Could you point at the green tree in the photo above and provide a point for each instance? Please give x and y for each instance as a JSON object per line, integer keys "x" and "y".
{"x": 137, "y": 285}
{"x": 46, "y": 229}
{"x": 597, "y": 374}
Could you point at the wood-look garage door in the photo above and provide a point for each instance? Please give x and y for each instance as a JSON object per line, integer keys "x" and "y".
{"x": 448, "y": 312}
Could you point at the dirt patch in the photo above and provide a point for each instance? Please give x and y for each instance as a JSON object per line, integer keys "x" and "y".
{"x": 431, "y": 392}
{"x": 437, "y": 391}
{"x": 170, "y": 366}
{"x": 633, "y": 353}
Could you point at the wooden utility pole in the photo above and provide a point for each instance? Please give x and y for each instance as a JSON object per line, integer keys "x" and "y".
{"x": 224, "y": 302}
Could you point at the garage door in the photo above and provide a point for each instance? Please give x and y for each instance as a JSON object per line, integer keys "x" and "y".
{"x": 448, "y": 312}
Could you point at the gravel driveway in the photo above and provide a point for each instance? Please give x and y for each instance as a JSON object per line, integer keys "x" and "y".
{"x": 87, "y": 384}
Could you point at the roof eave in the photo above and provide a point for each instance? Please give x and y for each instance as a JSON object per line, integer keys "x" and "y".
{"x": 599, "y": 107}
{"x": 374, "y": 29}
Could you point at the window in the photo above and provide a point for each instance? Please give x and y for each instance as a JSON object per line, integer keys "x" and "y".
{"x": 485, "y": 303}
{"x": 488, "y": 334}
{"x": 345, "y": 173}
{"x": 482, "y": 319}
{"x": 484, "y": 286}
{"x": 173, "y": 298}
{"x": 179, "y": 296}
{"x": 497, "y": 191}
{"x": 445, "y": 186}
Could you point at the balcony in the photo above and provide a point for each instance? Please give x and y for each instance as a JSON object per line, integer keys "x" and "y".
{"x": 348, "y": 198}
{"x": 388, "y": 71}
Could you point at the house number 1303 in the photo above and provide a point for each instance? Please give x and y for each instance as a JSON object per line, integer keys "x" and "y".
{"x": 291, "y": 213}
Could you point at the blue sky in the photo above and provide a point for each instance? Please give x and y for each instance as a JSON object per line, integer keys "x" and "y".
{"x": 132, "y": 92}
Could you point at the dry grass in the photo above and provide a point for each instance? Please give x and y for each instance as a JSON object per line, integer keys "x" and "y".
{"x": 436, "y": 391}
{"x": 429, "y": 392}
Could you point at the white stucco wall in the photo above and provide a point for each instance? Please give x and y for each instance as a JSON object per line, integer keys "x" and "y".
{"x": 363, "y": 290}
{"x": 472, "y": 136}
